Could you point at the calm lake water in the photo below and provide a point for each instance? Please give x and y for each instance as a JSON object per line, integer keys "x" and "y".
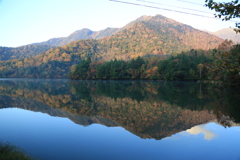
{"x": 125, "y": 120}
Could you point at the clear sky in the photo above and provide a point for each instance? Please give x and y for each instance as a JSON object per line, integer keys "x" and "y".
{"x": 28, "y": 21}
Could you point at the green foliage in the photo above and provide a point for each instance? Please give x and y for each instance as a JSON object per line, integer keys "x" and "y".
{"x": 182, "y": 67}
{"x": 225, "y": 10}
{"x": 114, "y": 70}
{"x": 82, "y": 70}
{"x": 111, "y": 70}
{"x": 136, "y": 68}
{"x": 226, "y": 59}
{"x": 136, "y": 63}
{"x": 226, "y": 62}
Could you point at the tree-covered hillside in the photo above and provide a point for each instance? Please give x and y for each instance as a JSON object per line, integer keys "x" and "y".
{"x": 145, "y": 37}
{"x": 7, "y": 53}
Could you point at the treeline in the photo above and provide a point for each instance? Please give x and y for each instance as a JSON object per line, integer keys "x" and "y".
{"x": 222, "y": 64}
{"x": 182, "y": 67}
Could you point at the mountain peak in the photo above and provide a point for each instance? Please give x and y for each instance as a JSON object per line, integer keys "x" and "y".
{"x": 83, "y": 32}
{"x": 228, "y": 33}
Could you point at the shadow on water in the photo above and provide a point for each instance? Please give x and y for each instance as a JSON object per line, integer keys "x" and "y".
{"x": 148, "y": 109}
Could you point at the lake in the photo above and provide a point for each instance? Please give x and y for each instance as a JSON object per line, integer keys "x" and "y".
{"x": 120, "y": 120}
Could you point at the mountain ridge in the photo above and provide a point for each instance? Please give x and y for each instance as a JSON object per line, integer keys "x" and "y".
{"x": 157, "y": 35}
{"x": 84, "y": 33}
{"x": 228, "y": 33}
{"x": 146, "y": 36}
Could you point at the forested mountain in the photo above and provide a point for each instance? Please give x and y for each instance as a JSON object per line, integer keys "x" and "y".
{"x": 228, "y": 33}
{"x": 80, "y": 34}
{"x": 7, "y": 53}
{"x": 147, "y": 36}
{"x": 155, "y": 35}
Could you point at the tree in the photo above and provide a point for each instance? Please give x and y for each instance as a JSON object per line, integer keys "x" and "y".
{"x": 200, "y": 67}
{"x": 136, "y": 63}
{"x": 226, "y": 60}
{"x": 103, "y": 70}
{"x": 81, "y": 69}
{"x": 225, "y": 10}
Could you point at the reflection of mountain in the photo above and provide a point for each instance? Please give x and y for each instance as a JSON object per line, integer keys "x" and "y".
{"x": 142, "y": 119}
{"x": 33, "y": 105}
{"x": 139, "y": 107}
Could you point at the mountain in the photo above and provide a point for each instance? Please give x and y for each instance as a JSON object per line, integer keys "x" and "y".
{"x": 146, "y": 36}
{"x": 80, "y": 34}
{"x": 228, "y": 33}
{"x": 155, "y": 35}
{"x": 7, "y": 53}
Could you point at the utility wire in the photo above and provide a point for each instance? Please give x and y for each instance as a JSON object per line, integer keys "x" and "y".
{"x": 191, "y": 2}
{"x": 166, "y": 9}
{"x": 174, "y": 6}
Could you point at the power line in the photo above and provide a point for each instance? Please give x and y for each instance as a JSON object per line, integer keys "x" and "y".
{"x": 191, "y": 2}
{"x": 174, "y": 6}
{"x": 166, "y": 9}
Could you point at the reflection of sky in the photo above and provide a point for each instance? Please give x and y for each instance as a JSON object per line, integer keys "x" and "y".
{"x": 59, "y": 138}
{"x": 208, "y": 134}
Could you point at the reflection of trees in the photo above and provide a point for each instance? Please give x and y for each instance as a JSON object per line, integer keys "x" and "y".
{"x": 147, "y": 109}
{"x": 8, "y": 152}
{"x": 121, "y": 89}
{"x": 225, "y": 104}
{"x": 185, "y": 95}
{"x": 83, "y": 90}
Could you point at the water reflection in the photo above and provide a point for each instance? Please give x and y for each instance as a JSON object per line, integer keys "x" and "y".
{"x": 201, "y": 129}
{"x": 146, "y": 109}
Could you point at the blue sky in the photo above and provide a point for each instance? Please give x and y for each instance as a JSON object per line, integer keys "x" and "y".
{"x": 29, "y": 21}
